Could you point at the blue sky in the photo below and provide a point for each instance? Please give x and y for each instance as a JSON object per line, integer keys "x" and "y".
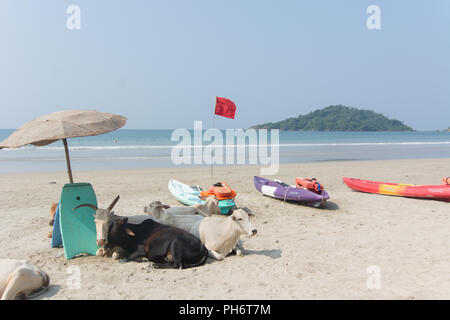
{"x": 161, "y": 63}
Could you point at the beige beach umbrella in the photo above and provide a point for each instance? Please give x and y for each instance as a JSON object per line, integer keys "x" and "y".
{"x": 62, "y": 125}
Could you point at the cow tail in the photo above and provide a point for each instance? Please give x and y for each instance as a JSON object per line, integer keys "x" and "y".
{"x": 205, "y": 253}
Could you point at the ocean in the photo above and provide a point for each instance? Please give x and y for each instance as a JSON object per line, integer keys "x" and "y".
{"x": 128, "y": 149}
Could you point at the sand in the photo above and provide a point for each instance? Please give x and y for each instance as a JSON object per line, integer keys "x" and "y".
{"x": 298, "y": 253}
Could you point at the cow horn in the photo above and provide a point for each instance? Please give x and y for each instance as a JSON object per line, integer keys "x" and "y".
{"x": 113, "y": 203}
{"x": 86, "y": 205}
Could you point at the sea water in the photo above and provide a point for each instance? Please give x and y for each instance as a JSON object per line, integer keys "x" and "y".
{"x": 128, "y": 149}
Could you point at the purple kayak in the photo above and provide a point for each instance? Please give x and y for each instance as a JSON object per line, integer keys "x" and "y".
{"x": 283, "y": 191}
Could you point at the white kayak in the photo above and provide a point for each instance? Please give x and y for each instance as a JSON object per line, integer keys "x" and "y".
{"x": 190, "y": 195}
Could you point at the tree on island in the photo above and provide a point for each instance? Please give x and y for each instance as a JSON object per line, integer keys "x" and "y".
{"x": 338, "y": 118}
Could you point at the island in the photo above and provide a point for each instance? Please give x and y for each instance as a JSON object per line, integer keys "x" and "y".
{"x": 338, "y": 118}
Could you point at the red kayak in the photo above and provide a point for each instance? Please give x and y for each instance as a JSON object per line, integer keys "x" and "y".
{"x": 437, "y": 192}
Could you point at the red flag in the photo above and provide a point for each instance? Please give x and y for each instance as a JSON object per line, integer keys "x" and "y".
{"x": 225, "y": 108}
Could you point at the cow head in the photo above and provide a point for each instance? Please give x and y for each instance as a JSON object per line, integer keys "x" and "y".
{"x": 103, "y": 220}
{"x": 242, "y": 221}
{"x": 121, "y": 235}
{"x": 155, "y": 209}
{"x": 213, "y": 205}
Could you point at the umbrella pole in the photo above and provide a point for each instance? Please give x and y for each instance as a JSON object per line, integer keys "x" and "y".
{"x": 69, "y": 169}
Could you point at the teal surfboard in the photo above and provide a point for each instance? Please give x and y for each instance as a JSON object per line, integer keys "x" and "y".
{"x": 56, "y": 233}
{"x": 190, "y": 195}
{"x": 78, "y": 226}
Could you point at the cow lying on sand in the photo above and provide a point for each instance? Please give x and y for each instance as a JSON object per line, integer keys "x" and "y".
{"x": 219, "y": 234}
{"x": 201, "y": 210}
{"x": 104, "y": 218}
{"x": 158, "y": 243}
{"x": 103, "y": 221}
{"x": 210, "y": 207}
{"x": 122, "y": 242}
{"x": 20, "y": 280}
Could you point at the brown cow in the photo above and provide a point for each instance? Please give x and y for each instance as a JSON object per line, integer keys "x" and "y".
{"x": 53, "y": 208}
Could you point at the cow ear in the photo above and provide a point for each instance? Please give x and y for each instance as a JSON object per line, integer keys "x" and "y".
{"x": 164, "y": 206}
{"x": 250, "y": 215}
{"x": 120, "y": 220}
{"x": 130, "y": 232}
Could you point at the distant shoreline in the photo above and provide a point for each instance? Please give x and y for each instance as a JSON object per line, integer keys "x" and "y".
{"x": 188, "y": 168}
{"x": 311, "y": 131}
{"x": 140, "y": 164}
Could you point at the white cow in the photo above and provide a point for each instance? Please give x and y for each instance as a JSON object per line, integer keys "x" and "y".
{"x": 220, "y": 235}
{"x": 185, "y": 210}
{"x": 210, "y": 207}
{"x": 161, "y": 213}
{"x": 20, "y": 279}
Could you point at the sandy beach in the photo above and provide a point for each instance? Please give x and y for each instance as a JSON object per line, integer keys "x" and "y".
{"x": 298, "y": 253}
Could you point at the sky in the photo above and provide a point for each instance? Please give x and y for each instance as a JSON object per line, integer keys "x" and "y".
{"x": 161, "y": 63}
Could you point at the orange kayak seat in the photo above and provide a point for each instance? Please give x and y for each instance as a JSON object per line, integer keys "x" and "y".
{"x": 220, "y": 190}
{"x": 310, "y": 184}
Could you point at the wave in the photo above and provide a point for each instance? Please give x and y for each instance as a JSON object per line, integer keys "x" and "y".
{"x": 61, "y": 159}
{"x": 135, "y": 147}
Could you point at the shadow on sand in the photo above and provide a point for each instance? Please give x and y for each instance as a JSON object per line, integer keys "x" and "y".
{"x": 246, "y": 209}
{"x": 330, "y": 206}
{"x": 272, "y": 253}
{"x": 51, "y": 291}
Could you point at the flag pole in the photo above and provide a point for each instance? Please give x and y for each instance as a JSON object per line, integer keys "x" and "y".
{"x": 213, "y": 150}
{"x": 225, "y": 108}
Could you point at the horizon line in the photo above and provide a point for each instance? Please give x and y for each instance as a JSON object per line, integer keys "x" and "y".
{"x": 414, "y": 130}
